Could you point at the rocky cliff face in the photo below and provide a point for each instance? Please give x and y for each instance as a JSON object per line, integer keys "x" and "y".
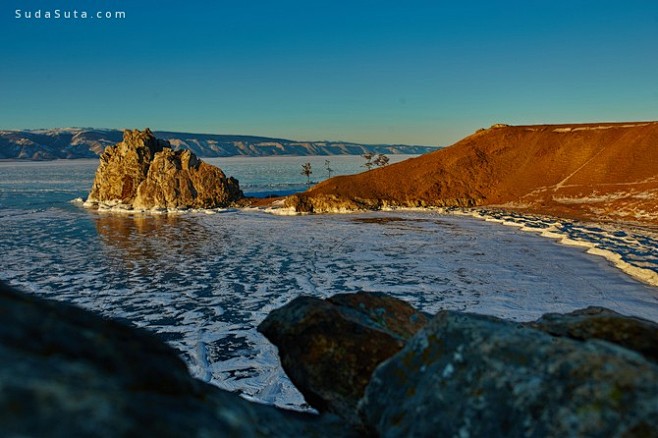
{"x": 594, "y": 171}
{"x": 143, "y": 172}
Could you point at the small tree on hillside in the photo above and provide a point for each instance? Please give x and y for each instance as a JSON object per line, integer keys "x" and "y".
{"x": 328, "y": 167}
{"x": 368, "y": 156}
{"x": 306, "y": 170}
{"x": 381, "y": 160}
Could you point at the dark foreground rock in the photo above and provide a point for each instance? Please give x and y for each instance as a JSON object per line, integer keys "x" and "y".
{"x": 472, "y": 375}
{"x": 599, "y": 323}
{"x": 329, "y": 348}
{"x": 143, "y": 172}
{"x": 67, "y": 372}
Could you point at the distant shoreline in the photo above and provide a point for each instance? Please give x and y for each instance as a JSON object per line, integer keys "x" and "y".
{"x": 47, "y": 160}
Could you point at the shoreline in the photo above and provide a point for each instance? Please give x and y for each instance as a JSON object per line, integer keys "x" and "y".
{"x": 503, "y": 216}
{"x": 651, "y": 226}
{"x": 642, "y": 275}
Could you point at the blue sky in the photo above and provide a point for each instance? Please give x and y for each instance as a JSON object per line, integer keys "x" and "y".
{"x": 421, "y": 72}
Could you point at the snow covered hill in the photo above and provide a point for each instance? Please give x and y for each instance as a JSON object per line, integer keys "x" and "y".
{"x": 49, "y": 144}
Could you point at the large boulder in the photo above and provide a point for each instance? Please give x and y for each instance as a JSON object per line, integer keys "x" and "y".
{"x": 474, "y": 375}
{"x": 329, "y": 348}
{"x": 123, "y": 167}
{"x": 143, "y": 172}
{"x": 629, "y": 332}
{"x": 67, "y": 372}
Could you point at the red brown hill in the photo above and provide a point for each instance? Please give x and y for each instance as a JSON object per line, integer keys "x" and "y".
{"x": 601, "y": 171}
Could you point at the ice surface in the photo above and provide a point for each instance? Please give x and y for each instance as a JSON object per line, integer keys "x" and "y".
{"x": 634, "y": 250}
{"x": 204, "y": 282}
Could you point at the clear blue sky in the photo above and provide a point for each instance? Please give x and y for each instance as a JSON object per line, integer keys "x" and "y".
{"x": 423, "y": 72}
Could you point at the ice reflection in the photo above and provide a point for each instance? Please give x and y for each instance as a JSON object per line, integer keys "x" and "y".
{"x": 149, "y": 238}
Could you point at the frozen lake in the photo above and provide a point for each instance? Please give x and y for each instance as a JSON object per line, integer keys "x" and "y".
{"x": 203, "y": 282}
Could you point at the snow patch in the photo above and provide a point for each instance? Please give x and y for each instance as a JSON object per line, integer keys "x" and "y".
{"x": 642, "y": 274}
{"x": 121, "y": 208}
{"x": 595, "y": 128}
{"x": 283, "y": 211}
{"x": 592, "y": 199}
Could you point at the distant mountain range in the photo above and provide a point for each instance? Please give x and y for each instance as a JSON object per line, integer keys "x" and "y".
{"x": 50, "y": 144}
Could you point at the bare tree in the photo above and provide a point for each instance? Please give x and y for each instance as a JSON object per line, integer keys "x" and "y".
{"x": 368, "y": 156}
{"x": 381, "y": 160}
{"x": 328, "y": 167}
{"x": 306, "y": 170}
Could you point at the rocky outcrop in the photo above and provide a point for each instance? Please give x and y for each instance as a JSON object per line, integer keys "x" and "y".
{"x": 67, "y": 372}
{"x": 123, "y": 167}
{"x": 329, "y": 348}
{"x": 603, "y": 171}
{"x": 178, "y": 179}
{"x": 633, "y": 333}
{"x": 143, "y": 172}
{"x": 473, "y": 375}
{"x": 463, "y": 374}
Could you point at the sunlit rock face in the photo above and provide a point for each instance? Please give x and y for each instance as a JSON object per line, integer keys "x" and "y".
{"x": 123, "y": 167}
{"x": 595, "y": 171}
{"x": 143, "y": 172}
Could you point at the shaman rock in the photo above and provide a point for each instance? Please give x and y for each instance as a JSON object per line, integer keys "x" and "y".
{"x": 145, "y": 173}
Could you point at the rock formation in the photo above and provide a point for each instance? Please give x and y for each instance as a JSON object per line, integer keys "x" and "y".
{"x": 67, "y": 372}
{"x": 636, "y": 334}
{"x": 330, "y": 348}
{"x": 143, "y": 172}
{"x": 469, "y": 375}
{"x": 603, "y": 171}
{"x": 473, "y": 375}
